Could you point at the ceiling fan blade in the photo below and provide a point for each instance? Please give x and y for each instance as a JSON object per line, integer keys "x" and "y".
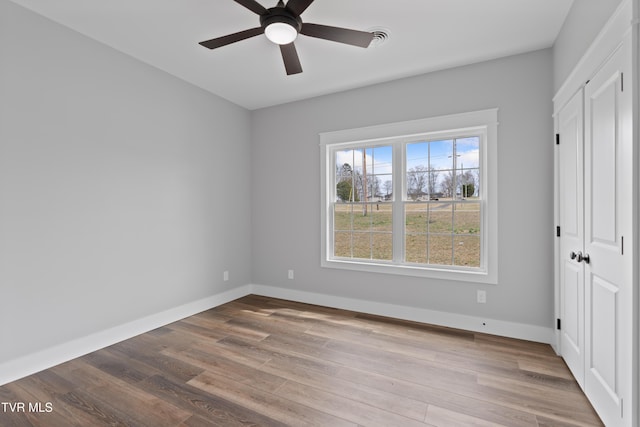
{"x": 252, "y": 5}
{"x": 298, "y": 6}
{"x": 337, "y": 34}
{"x": 232, "y": 38}
{"x": 291, "y": 60}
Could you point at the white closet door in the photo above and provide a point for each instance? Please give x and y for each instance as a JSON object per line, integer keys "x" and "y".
{"x": 607, "y": 201}
{"x": 570, "y": 198}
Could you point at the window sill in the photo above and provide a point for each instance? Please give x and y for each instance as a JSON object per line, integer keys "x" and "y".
{"x": 457, "y": 274}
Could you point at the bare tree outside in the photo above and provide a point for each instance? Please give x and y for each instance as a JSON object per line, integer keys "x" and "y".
{"x": 448, "y": 185}
{"x": 417, "y": 179}
{"x": 388, "y": 188}
{"x": 432, "y": 181}
{"x": 467, "y": 183}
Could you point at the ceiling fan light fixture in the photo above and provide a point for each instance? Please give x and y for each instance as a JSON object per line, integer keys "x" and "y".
{"x": 280, "y": 33}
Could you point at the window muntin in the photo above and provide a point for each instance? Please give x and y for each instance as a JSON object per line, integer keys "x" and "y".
{"x": 448, "y": 158}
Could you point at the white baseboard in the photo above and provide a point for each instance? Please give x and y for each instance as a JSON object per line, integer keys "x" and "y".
{"x": 36, "y": 362}
{"x": 452, "y": 320}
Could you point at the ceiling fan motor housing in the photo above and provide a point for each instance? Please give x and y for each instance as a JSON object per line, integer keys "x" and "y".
{"x": 280, "y": 15}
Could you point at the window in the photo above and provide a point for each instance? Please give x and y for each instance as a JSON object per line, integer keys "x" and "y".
{"x": 415, "y": 198}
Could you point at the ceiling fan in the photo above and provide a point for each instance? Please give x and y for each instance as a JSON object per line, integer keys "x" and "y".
{"x": 282, "y": 24}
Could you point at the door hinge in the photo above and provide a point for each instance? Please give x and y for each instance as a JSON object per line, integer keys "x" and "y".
{"x": 558, "y": 324}
{"x": 558, "y": 231}
{"x": 621, "y": 82}
{"x": 557, "y": 139}
{"x": 621, "y": 408}
{"x": 621, "y": 245}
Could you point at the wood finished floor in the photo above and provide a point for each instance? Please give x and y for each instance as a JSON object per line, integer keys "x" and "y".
{"x": 267, "y": 362}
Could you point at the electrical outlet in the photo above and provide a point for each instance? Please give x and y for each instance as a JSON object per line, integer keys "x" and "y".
{"x": 482, "y": 297}
{"x": 225, "y": 276}
{"x": 290, "y": 274}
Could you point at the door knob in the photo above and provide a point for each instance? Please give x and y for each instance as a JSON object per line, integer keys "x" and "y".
{"x": 584, "y": 258}
{"x": 573, "y": 255}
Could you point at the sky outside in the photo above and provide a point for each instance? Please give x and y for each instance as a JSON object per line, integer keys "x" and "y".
{"x": 438, "y": 154}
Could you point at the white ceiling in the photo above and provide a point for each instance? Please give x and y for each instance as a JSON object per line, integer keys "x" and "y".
{"x": 425, "y": 35}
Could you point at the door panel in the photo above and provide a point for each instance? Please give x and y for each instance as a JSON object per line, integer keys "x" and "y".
{"x": 603, "y": 165}
{"x": 573, "y": 316}
{"x": 570, "y": 197}
{"x": 603, "y": 349}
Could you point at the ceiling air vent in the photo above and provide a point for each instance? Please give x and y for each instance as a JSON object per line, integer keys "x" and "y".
{"x": 380, "y": 35}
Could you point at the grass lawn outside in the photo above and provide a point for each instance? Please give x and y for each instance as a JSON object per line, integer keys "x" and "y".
{"x": 443, "y": 232}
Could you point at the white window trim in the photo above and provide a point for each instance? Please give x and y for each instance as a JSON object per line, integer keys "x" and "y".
{"x": 485, "y": 120}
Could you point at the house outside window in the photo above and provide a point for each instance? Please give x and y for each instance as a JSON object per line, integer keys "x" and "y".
{"x": 414, "y": 198}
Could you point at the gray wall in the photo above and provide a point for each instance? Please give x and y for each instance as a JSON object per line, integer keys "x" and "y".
{"x": 286, "y": 185}
{"x": 585, "y": 20}
{"x": 123, "y": 191}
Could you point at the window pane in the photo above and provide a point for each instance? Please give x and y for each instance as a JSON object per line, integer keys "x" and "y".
{"x": 423, "y": 176}
{"x": 416, "y": 248}
{"x": 441, "y": 218}
{"x": 467, "y": 218}
{"x": 440, "y": 249}
{"x": 467, "y": 167}
{"x": 361, "y": 245}
{"x": 417, "y": 161}
{"x": 418, "y": 187}
{"x": 361, "y": 217}
{"x": 380, "y": 162}
{"x": 441, "y": 154}
{"x": 417, "y": 154}
{"x": 469, "y": 184}
{"x": 345, "y": 189}
{"x": 386, "y": 187}
{"x": 345, "y": 157}
{"x": 467, "y": 251}
{"x": 374, "y": 188}
{"x": 342, "y": 216}
{"x": 364, "y": 174}
{"x": 468, "y": 152}
{"x": 363, "y": 230}
{"x": 382, "y": 246}
{"x": 416, "y": 217}
{"x": 381, "y": 217}
{"x": 342, "y": 244}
